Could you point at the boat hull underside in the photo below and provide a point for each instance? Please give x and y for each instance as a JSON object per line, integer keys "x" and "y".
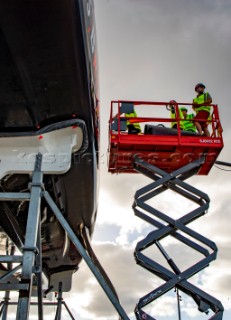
{"x": 45, "y": 79}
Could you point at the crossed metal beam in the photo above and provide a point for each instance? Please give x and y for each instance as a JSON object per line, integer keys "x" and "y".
{"x": 178, "y": 229}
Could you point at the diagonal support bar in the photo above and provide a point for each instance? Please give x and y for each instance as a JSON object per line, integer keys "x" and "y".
{"x": 110, "y": 294}
{"x": 30, "y": 249}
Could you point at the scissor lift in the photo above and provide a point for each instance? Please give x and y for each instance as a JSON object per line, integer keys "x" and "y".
{"x": 168, "y": 157}
{"x": 22, "y": 272}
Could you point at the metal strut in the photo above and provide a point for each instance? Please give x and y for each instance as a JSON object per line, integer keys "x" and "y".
{"x": 178, "y": 229}
{"x": 30, "y": 262}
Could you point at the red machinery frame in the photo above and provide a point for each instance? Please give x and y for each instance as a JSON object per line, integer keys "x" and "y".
{"x": 166, "y": 152}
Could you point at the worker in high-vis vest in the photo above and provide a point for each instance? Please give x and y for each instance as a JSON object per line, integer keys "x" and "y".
{"x": 128, "y": 110}
{"x": 188, "y": 123}
{"x": 133, "y": 128}
{"x": 202, "y": 109}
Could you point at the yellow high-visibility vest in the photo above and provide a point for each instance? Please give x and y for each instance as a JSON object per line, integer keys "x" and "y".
{"x": 189, "y": 125}
{"x": 200, "y": 99}
{"x": 173, "y": 117}
{"x": 133, "y": 115}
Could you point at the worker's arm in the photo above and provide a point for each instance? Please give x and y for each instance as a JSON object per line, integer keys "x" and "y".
{"x": 172, "y": 109}
{"x": 172, "y": 106}
{"x": 116, "y": 116}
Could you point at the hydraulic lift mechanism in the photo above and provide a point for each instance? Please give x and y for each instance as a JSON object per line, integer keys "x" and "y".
{"x": 177, "y": 229}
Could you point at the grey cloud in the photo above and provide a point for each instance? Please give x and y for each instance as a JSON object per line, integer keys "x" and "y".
{"x": 157, "y": 50}
{"x": 132, "y": 281}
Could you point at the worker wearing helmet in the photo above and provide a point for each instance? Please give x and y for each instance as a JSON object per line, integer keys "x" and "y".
{"x": 202, "y": 109}
{"x": 188, "y": 123}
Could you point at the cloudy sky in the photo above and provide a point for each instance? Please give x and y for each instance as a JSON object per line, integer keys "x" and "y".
{"x": 156, "y": 50}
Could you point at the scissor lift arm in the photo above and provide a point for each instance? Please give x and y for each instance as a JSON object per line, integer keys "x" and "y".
{"x": 177, "y": 229}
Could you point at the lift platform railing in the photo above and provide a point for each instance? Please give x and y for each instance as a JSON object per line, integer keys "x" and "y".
{"x": 160, "y": 143}
{"x": 117, "y": 114}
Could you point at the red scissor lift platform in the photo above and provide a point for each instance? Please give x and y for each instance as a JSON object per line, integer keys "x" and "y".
{"x": 169, "y": 151}
{"x": 167, "y": 157}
